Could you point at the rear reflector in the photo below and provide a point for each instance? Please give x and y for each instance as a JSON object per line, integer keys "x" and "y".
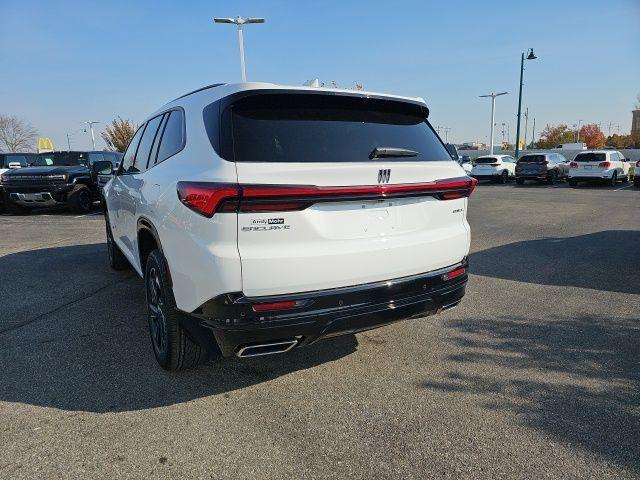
{"x": 573, "y": 165}
{"x": 604, "y": 164}
{"x": 454, "y": 273}
{"x": 263, "y": 307}
{"x": 207, "y": 198}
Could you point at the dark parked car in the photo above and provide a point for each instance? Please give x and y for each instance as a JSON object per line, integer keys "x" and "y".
{"x": 542, "y": 167}
{"x": 10, "y": 161}
{"x": 72, "y": 179}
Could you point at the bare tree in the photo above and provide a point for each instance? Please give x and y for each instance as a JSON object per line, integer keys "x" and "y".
{"x": 16, "y": 135}
{"x": 118, "y": 134}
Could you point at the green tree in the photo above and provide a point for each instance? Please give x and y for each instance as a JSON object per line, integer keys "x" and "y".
{"x": 118, "y": 134}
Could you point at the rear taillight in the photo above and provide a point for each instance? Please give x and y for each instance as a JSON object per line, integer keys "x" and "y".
{"x": 454, "y": 273}
{"x": 604, "y": 164}
{"x": 573, "y": 165}
{"x": 638, "y": 164}
{"x": 265, "y": 307}
{"x": 209, "y": 198}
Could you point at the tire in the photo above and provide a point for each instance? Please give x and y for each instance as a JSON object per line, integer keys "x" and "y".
{"x": 173, "y": 349}
{"x": 614, "y": 179}
{"x": 636, "y": 182}
{"x": 504, "y": 177}
{"x": 117, "y": 260}
{"x": 520, "y": 181}
{"x": 80, "y": 199}
{"x": 625, "y": 179}
{"x": 15, "y": 208}
{"x": 573, "y": 183}
{"x": 553, "y": 177}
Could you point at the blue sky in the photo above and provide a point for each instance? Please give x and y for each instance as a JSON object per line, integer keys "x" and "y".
{"x": 64, "y": 62}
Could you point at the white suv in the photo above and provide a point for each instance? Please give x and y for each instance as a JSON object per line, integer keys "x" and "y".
{"x": 497, "y": 168}
{"x": 608, "y": 166}
{"x": 264, "y": 218}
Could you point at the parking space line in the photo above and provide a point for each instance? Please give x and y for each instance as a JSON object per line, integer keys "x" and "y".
{"x": 622, "y": 188}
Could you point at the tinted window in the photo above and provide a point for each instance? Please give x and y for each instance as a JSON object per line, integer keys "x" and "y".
{"x": 173, "y": 136}
{"x": 62, "y": 159}
{"x": 96, "y": 157}
{"x": 142, "y": 155}
{"x": 485, "y": 160}
{"x": 156, "y": 143}
{"x": 21, "y": 159}
{"x": 590, "y": 157}
{"x": 130, "y": 154}
{"x": 324, "y": 128}
{"x": 532, "y": 159}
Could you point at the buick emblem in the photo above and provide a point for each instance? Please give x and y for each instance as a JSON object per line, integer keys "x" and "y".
{"x": 384, "y": 175}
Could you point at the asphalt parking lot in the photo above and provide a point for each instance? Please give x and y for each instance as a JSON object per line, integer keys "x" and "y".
{"x": 535, "y": 375}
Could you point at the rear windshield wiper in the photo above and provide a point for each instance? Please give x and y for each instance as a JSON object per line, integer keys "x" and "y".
{"x": 387, "y": 152}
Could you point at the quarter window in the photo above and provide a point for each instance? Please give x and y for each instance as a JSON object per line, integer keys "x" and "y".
{"x": 130, "y": 154}
{"x": 173, "y": 137}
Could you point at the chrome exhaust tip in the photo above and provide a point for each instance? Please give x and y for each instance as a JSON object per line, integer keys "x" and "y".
{"x": 271, "y": 348}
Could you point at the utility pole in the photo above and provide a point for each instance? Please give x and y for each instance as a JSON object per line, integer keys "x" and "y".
{"x": 68, "y": 143}
{"x": 526, "y": 126}
{"x": 530, "y": 56}
{"x": 493, "y": 117}
{"x": 503, "y": 125}
{"x": 239, "y": 22}
{"x": 533, "y": 134}
{"x": 93, "y": 138}
{"x": 578, "y": 132}
{"x": 446, "y": 134}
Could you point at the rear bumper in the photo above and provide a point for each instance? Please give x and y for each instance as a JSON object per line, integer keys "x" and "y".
{"x": 532, "y": 175}
{"x": 230, "y": 322}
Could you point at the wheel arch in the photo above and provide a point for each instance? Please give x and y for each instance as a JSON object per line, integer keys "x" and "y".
{"x": 149, "y": 240}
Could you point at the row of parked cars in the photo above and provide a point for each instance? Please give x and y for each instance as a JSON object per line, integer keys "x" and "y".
{"x": 73, "y": 179}
{"x": 604, "y": 166}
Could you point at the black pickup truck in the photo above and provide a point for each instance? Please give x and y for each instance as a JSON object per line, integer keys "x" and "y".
{"x": 71, "y": 179}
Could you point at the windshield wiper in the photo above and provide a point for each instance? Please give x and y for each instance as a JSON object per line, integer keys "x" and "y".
{"x": 387, "y": 152}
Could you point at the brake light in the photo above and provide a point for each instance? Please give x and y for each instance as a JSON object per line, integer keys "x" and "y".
{"x": 454, "y": 273}
{"x": 573, "y": 165}
{"x": 604, "y": 164}
{"x": 264, "y": 307}
{"x": 207, "y": 198}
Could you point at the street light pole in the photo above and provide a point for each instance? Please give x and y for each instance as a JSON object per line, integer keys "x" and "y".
{"x": 93, "y": 138}
{"x": 493, "y": 117}
{"x": 530, "y": 56}
{"x": 526, "y": 127}
{"x": 578, "y": 132}
{"x": 239, "y": 22}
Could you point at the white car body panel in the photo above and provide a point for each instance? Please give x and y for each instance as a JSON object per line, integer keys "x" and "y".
{"x": 500, "y": 165}
{"x": 328, "y": 245}
{"x": 592, "y": 170}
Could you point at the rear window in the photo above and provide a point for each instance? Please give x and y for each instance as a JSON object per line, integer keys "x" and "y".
{"x": 8, "y": 159}
{"x": 324, "y": 128}
{"x": 485, "y": 160}
{"x": 532, "y": 159}
{"x": 590, "y": 157}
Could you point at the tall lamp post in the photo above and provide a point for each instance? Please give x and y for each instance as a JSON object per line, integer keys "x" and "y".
{"x": 239, "y": 22}
{"x": 530, "y": 56}
{"x": 493, "y": 109}
{"x": 93, "y": 138}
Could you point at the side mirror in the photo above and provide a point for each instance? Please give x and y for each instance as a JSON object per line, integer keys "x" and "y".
{"x": 103, "y": 167}
{"x": 15, "y": 165}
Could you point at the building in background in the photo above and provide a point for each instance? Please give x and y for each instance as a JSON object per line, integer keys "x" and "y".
{"x": 635, "y": 123}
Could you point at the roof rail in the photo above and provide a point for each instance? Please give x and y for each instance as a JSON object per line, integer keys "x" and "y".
{"x": 213, "y": 85}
